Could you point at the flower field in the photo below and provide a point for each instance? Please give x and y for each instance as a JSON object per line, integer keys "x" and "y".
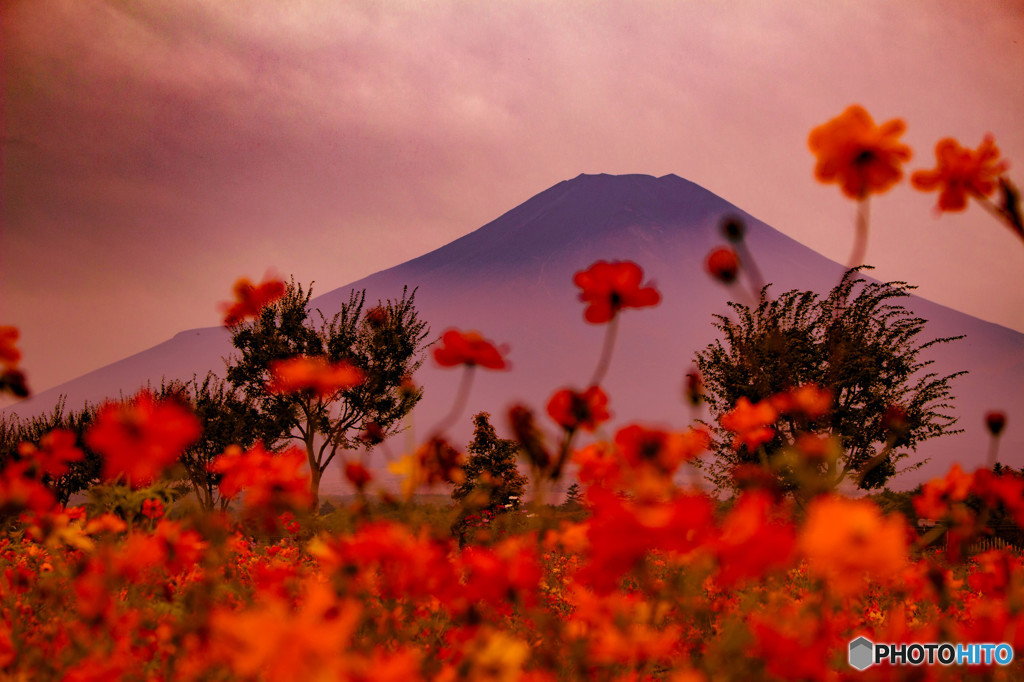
{"x": 652, "y": 576}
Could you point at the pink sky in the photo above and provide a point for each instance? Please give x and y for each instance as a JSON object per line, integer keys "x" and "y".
{"x": 154, "y": 152}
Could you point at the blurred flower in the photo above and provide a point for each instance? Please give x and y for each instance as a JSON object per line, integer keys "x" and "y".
{"x": 572, "y": 410}
{"x": 607, "y": 288}
{"x": 57, "y": 449}
{"x": 750, "y": 422}
{"x": 9, "y": 353}
{"x": 723, "y": 264}
{"x": 665, "y": 451}
{"x": 357, "y": 475}
{"x": 270, "y": 480}
{"x": 847, "y": 542}
{"x": 936, "y": 496}
{"x": 995, "y": 421}
{"x": 467, "y": 348}
{"x": 733, "y": 228}
{"x": 251, "y": 298}
{"x": 862, "y": 157}
{"x": 961, "y": 173}
{"x": 315, "y": 374}
{"x": 141, "y": 437}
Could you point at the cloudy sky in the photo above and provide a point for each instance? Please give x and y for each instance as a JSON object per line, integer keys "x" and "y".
{"x": 153, "y": 152}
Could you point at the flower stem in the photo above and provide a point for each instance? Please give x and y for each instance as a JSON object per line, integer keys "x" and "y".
{"x": 461, "y": 397}
{"x": 860, "y": 241}
{"x": 606, "y": 352}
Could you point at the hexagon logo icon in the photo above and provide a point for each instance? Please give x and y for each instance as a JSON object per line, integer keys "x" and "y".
{"x": 861, "y": 653}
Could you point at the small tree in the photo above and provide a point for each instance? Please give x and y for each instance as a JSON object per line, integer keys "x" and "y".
{"x": 385, "y": 343}
{"x": 573, "y": 497}
{"x": 860, "y": 343}
{"x": 491, "y": 469}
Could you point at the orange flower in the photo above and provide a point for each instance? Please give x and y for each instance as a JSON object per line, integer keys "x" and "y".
{"x": 862, "y": 157}
{"x": 849, "y": 542}
{"x": 9, "y": 353}
{"x": 939, "y": 494}
{"x": 586, "y": 410}
{"x": 610, "y": 287}
{"x": 961, "y": 173}
{"x": 315, "y": 374}
{"x": 251, "y": 298}
{"x": 723, "y": 264}
{"x": 467, "y": 348}
{"x": 750, "y": 423}
{"x": 270, "y": 480}
{"x": 141, "y": 437}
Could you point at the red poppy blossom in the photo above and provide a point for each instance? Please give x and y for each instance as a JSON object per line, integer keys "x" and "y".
{"x": 572, "y": 410}
{"x": 858, "y": 155}
{"x": 468, "y": 348}
{"x": 251, "y": 298}
{"x": 610, "y": 287}
{"x": 270, "y": 480}
{"x": 995, "y": 421}
{"x": 961, "y": 173}
{"x": 141, "y": 437}
{"x": 723, "y": 264}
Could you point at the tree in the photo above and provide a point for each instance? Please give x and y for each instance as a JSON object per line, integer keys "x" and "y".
{"x": 861, "y": 344}
{"x": 385, "y": 343}
{"x": 573, "y": 497}
{"x": 491, "y": 469}
{"x": 228, "y": 417}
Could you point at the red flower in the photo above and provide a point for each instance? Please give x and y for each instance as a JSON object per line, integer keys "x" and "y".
{"x": 467, "y": 348}
{"x": 862, "y": 157}
{"x": 610, "y": 287}
{"x": 995, "y": 421}
{"x": 152, "y": 509}
{"x": 723, "y": 264}
{"x": 665, "y": 451}
{"x": 357, "y": 475}
{"x": 314, "y": 374}
{"x": 9, "y": 353}
{"x": 751, "y": 423}
{"x": 270, "y": 480}
{"x": 251, "y": 298}
{"x": 57, "y": 448}
{"x": 961, "y": 173}
{"x": 141, "y": 437}
{"x": 586, "y": 410}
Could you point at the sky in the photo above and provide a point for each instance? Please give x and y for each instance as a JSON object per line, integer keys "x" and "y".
{"x": 153, "y": 152}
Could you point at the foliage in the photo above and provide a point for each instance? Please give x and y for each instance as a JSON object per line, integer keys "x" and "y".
{"x": 860, "y": 343}
{"x": 384, "y": 343}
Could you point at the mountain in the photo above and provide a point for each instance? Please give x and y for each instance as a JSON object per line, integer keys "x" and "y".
{"x": 512, "y": 280}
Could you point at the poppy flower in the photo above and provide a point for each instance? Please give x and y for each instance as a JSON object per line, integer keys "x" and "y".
{"x": 607, "y": 288}
{"x": 723, "y": 264}
{"x": 56, "y": 450}
{"x": 858, "y": 155}
{"x": 961, "y": 173}
{"x": 467, "y": 348}
{"x": 357, "y": 474}
{"x": 251, "y": 298}
{"x": 572, "y": 410}
{"x": 315, "y": 374}
{"x": 270, "y": 480}
{"x": 141, "y": 437}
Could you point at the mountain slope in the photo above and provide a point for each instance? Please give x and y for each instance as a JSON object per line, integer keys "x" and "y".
{"x": 512, "y": 280}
